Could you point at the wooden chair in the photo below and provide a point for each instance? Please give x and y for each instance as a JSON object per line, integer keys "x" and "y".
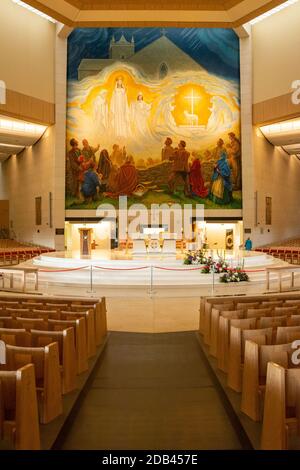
{"x": 238, "y": 338}
{"x": 224, "y": 338}
{"x": 255, "y": 371}
{"x": 295, "y": 257}
{"x": 80, "y": 339}
{"x": 19, "y": 422}
{"x": 282, "y": 407}
{"x": 281, "y": 254}
{"x": 67, "y": 353}
{"x": 47, "y": 376}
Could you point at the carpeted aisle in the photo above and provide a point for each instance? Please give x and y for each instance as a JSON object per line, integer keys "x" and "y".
{"x": 151, "y": 392}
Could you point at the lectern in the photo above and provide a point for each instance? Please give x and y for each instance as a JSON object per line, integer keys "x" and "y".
{"x": 85, "y": 241}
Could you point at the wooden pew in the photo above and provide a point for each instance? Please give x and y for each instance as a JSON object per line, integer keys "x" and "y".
{"x": 255, "y": 371}
{"x": 259, "y": 312}
{"x": 272, "y": 303}
{"x": 207, "y": 318}
{"x": 224, "y": 337}
{"x": 8, "y": 304}
{"x": 100, "y": 318}
{"x": 19, "y": 422}
{"x": 67, "y": 353}
{"x": 282, "y": 407}
{"x": 272, "y": 322}
{"x": 215, "y": 318}
{"x": 293, "y": 302}
{"x": 283, "y": 333}
{"x": 286, "y": 310}
{"x": 15, "y": 337}
{"x": 49, "y": 324}
{"x": 247, "y": 305}
{"x": 89, "y": 317}
{"x": 30, "y": 323}
{"x": 238, "y": 338}
{"x": 294, "y": 320}
{"x": 47, "y": 376}
{"x": 277, "y": 300}
{"x": 80, "y": 339}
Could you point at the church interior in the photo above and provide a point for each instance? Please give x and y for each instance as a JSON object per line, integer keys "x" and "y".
{"x": 149, "y": 227}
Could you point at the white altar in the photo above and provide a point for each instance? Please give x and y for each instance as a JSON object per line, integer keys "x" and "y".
{"x": 154, "y": 246}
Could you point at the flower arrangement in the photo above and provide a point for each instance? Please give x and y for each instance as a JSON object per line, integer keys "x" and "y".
{"x": 221, "y": 267}
{"x": 234, "y": 275}
{"x": 218, "y": 267}
{"x": 197, "y": 257}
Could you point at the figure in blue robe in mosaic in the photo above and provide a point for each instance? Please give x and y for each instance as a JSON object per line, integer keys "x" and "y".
{"x": 221, "y": 189}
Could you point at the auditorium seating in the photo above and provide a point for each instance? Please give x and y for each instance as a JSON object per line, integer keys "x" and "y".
{"x": 288, "y": 251}
{"x": 57, "y": 336}
{"x": 244, "y": 334}
{"x": 12, "y": 252}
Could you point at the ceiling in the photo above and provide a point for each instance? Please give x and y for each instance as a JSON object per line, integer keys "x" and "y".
{"x": 285, "y": 134}
{"x": 15, "y": 135}
{"x": 155, "y": 4}
{"x": 205, "y": 13}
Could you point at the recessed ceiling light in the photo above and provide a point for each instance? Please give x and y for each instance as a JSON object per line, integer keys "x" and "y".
{"x": 34, "y": 10}
{"x": 273, "y": 11}
{"x": 21, "y": 126}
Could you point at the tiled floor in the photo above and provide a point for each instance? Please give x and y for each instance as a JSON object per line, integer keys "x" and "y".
{"x": 152, "y": 392}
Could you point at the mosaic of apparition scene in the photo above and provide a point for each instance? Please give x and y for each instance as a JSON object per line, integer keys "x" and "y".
{"x": 153, "y": 114}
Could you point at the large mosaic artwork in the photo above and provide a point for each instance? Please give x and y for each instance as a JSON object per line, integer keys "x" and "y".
{"x": 153, "y": 114}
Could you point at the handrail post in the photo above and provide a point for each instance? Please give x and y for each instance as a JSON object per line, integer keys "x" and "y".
{"x": 151, "y": 281}
{"x": 91, "y": 291}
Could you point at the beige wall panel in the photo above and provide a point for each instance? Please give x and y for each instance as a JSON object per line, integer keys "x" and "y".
{"x": 277, "y": 175}
{"x": 276, "y": 42}
{"x": 27, "y": 52}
